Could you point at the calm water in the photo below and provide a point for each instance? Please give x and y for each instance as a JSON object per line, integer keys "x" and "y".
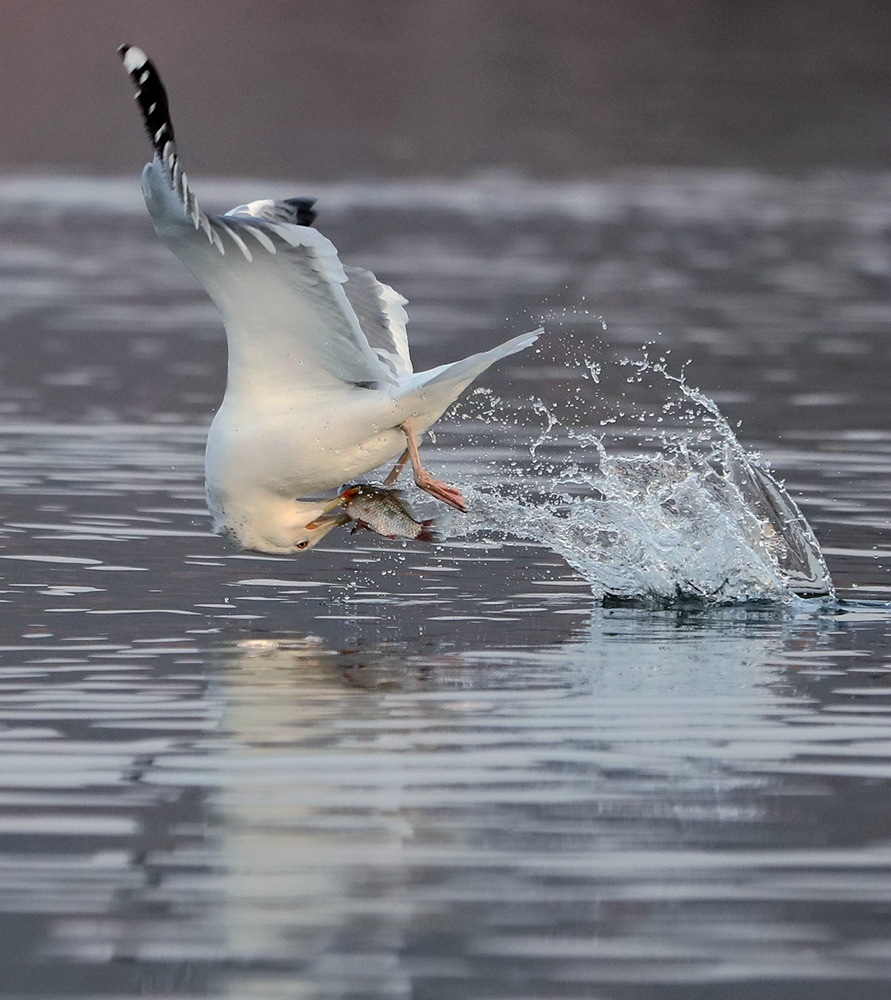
{"x": 401, "y": 771}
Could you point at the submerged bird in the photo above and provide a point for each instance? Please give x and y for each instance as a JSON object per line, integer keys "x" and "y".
{"x": 320, "y": 386}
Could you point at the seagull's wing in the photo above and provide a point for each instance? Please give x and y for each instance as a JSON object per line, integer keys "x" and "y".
{"x": 279, "y": 284}
{"x": 300, "y": 211}
{"x": 382, "y": 316}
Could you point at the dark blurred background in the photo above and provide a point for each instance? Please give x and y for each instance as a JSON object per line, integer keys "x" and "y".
{"x": 362, "y": 88}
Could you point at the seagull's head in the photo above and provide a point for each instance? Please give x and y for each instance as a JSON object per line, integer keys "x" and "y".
{"x": 308, "y": 526}
{"x": 281, "y": 527}
{"x": 316, "y": 528}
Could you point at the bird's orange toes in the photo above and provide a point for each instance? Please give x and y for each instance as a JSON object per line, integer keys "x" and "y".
{"x": 447, "y": 494}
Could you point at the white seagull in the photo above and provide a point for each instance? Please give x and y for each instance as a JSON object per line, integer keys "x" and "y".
{"x": 320, "y": 387}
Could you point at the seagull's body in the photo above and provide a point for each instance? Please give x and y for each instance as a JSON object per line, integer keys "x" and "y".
{"x": 320, "y": 387}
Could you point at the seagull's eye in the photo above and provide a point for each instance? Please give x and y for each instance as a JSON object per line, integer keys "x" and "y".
{"x": 303, "y": 544}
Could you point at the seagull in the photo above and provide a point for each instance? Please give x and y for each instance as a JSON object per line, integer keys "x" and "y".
{"x": 320, "y": 387}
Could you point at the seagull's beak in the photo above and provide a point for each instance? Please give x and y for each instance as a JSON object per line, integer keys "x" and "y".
{"x": 328, "y": 520}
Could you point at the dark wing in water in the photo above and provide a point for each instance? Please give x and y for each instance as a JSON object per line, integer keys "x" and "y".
{"x": 795, "y": 546}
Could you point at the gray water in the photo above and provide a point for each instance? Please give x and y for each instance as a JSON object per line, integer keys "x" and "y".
{"x": 505, "y": 766}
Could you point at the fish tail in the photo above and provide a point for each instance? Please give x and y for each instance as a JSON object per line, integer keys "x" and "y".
{"x": 429, "y": 532}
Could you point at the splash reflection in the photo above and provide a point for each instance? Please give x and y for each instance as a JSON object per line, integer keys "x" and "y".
{"x": 524, "y": 806}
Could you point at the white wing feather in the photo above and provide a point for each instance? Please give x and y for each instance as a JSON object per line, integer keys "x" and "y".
{"x": 382, "y": 316}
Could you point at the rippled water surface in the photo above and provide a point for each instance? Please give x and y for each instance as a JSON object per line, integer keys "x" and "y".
{"x": 467, "y": 770}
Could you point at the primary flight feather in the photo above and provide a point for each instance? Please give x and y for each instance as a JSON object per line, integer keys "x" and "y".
{"x": 320, "y": 386}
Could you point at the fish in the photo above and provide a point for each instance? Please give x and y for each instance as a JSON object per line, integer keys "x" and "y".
{"x": 378, "y": 509}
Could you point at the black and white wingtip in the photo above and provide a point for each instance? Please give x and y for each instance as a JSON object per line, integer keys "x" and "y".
{"x": 303, "y": 212}
{"x": 152, "y": 100}
{"x": 150, "y": 95}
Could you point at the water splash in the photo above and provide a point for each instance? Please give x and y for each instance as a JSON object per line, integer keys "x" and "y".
{"x": 655, "y": 505}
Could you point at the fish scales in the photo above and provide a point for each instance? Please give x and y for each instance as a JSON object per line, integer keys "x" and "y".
{"x": 382, "y": 511}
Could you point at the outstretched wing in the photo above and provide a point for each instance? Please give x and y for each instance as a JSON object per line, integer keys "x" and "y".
{"x": 278, "y": 283}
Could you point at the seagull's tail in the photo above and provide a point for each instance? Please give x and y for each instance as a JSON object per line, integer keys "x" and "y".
{"x": 441, "y": 386}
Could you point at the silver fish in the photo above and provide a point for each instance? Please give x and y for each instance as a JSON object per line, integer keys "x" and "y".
{"x": 381, "y": 510}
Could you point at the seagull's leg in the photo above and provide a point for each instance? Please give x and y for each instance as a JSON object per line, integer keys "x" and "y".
{"x": 423, "y": 479}
{"x": 397, "y": 469}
